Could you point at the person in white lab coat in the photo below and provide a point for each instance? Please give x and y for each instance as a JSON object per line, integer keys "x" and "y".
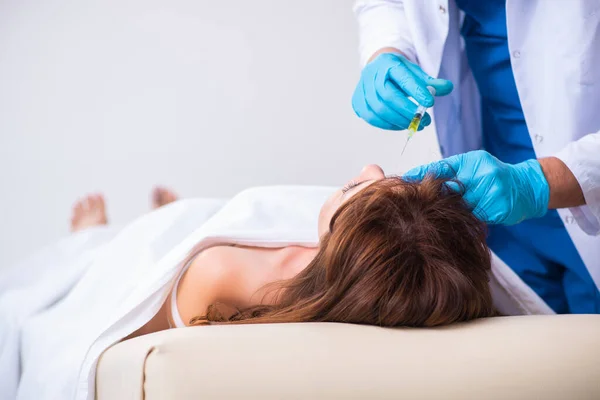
{"x": 517, "y": 113}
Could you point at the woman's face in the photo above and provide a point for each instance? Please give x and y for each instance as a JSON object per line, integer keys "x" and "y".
{"x": 367, "y": 176}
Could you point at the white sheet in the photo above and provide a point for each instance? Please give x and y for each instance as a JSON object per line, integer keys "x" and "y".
{"x": 62, "y": 308}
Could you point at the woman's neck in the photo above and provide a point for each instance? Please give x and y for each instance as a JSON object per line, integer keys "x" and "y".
{"x": 283, "y": 264}
{"x": 294, "y": 259}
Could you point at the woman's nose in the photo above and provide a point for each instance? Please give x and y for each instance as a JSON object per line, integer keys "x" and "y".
{"x": 371, "y": 171}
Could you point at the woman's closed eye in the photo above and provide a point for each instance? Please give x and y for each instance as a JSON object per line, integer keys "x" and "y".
{"x": 350, "y": 185}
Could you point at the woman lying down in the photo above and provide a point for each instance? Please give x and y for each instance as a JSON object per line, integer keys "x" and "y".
{"x": 380, "y": 251}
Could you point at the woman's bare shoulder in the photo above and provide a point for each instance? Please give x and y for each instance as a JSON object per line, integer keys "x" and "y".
{"x": 213, "y": 276}
{"x": 212, "y": 268}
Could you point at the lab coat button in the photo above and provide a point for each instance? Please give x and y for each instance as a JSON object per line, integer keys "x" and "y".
{"x": 516, "y": 54}
{"x": 569, "y": 219}
{"x": 442, "y": 9}
{"x": 538, "y": 138}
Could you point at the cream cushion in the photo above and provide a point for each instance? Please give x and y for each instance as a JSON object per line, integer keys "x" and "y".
{"x": 525, "y": 357}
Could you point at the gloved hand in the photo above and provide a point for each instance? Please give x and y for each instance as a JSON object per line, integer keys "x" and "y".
{"x": 500, "y": 193}
{"x": 381, "y": 96}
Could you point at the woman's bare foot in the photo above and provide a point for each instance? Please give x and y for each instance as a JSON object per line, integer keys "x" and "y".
{"x": 162, "y": 196}
{"x": 87, "y": 212}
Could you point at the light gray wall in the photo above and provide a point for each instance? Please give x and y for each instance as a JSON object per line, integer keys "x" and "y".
{"x": 208, "y": 97}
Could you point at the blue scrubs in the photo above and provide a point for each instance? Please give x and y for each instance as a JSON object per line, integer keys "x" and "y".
{"x": 539, "y": 250}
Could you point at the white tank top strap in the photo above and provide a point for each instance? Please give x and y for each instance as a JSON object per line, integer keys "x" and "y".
{"x": 175, "y": 316}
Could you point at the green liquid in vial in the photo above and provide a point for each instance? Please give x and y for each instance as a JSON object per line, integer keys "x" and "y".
{"x": 414, "y": 124}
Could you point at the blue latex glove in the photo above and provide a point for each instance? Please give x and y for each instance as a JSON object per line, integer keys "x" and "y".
{"x": 500, "y": 193}
{"x": 381, "y": 96}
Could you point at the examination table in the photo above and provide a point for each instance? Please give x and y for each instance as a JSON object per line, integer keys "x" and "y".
{"x": 524, "y": 357}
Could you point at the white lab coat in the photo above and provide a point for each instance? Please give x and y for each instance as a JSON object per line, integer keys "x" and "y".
{"x": 555, "y": 55}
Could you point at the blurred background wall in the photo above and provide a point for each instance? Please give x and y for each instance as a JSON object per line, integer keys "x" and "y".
{"x": 207, "y": 97}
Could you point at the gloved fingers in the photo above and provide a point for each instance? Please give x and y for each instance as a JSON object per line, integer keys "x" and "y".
{"x": 439, "y": 169}
{"x": 425, "y": 121}
{"x": 398, "y": 109}
{"x": 481, "y": 214}
{"x": 381, "y": 102}
{"x": 455, "y": 186}
{"x": 387, "y": 101}
{"x": 416, "y": 173}
{"x": 379, "y": 99}
{"x": 471, "y": 198}
{"x": 411, "y": 84}
{"x": 362, "y": 109}
{"x": 397, "y": 100}
{"x": 442, "y": 86}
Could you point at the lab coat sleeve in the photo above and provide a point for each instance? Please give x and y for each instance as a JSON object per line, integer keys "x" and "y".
{"x": 583, "y": 159}
{"x": 382, "y": 23}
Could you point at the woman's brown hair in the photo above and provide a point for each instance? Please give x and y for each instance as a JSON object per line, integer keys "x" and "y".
{"x": 398, "y": 254}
